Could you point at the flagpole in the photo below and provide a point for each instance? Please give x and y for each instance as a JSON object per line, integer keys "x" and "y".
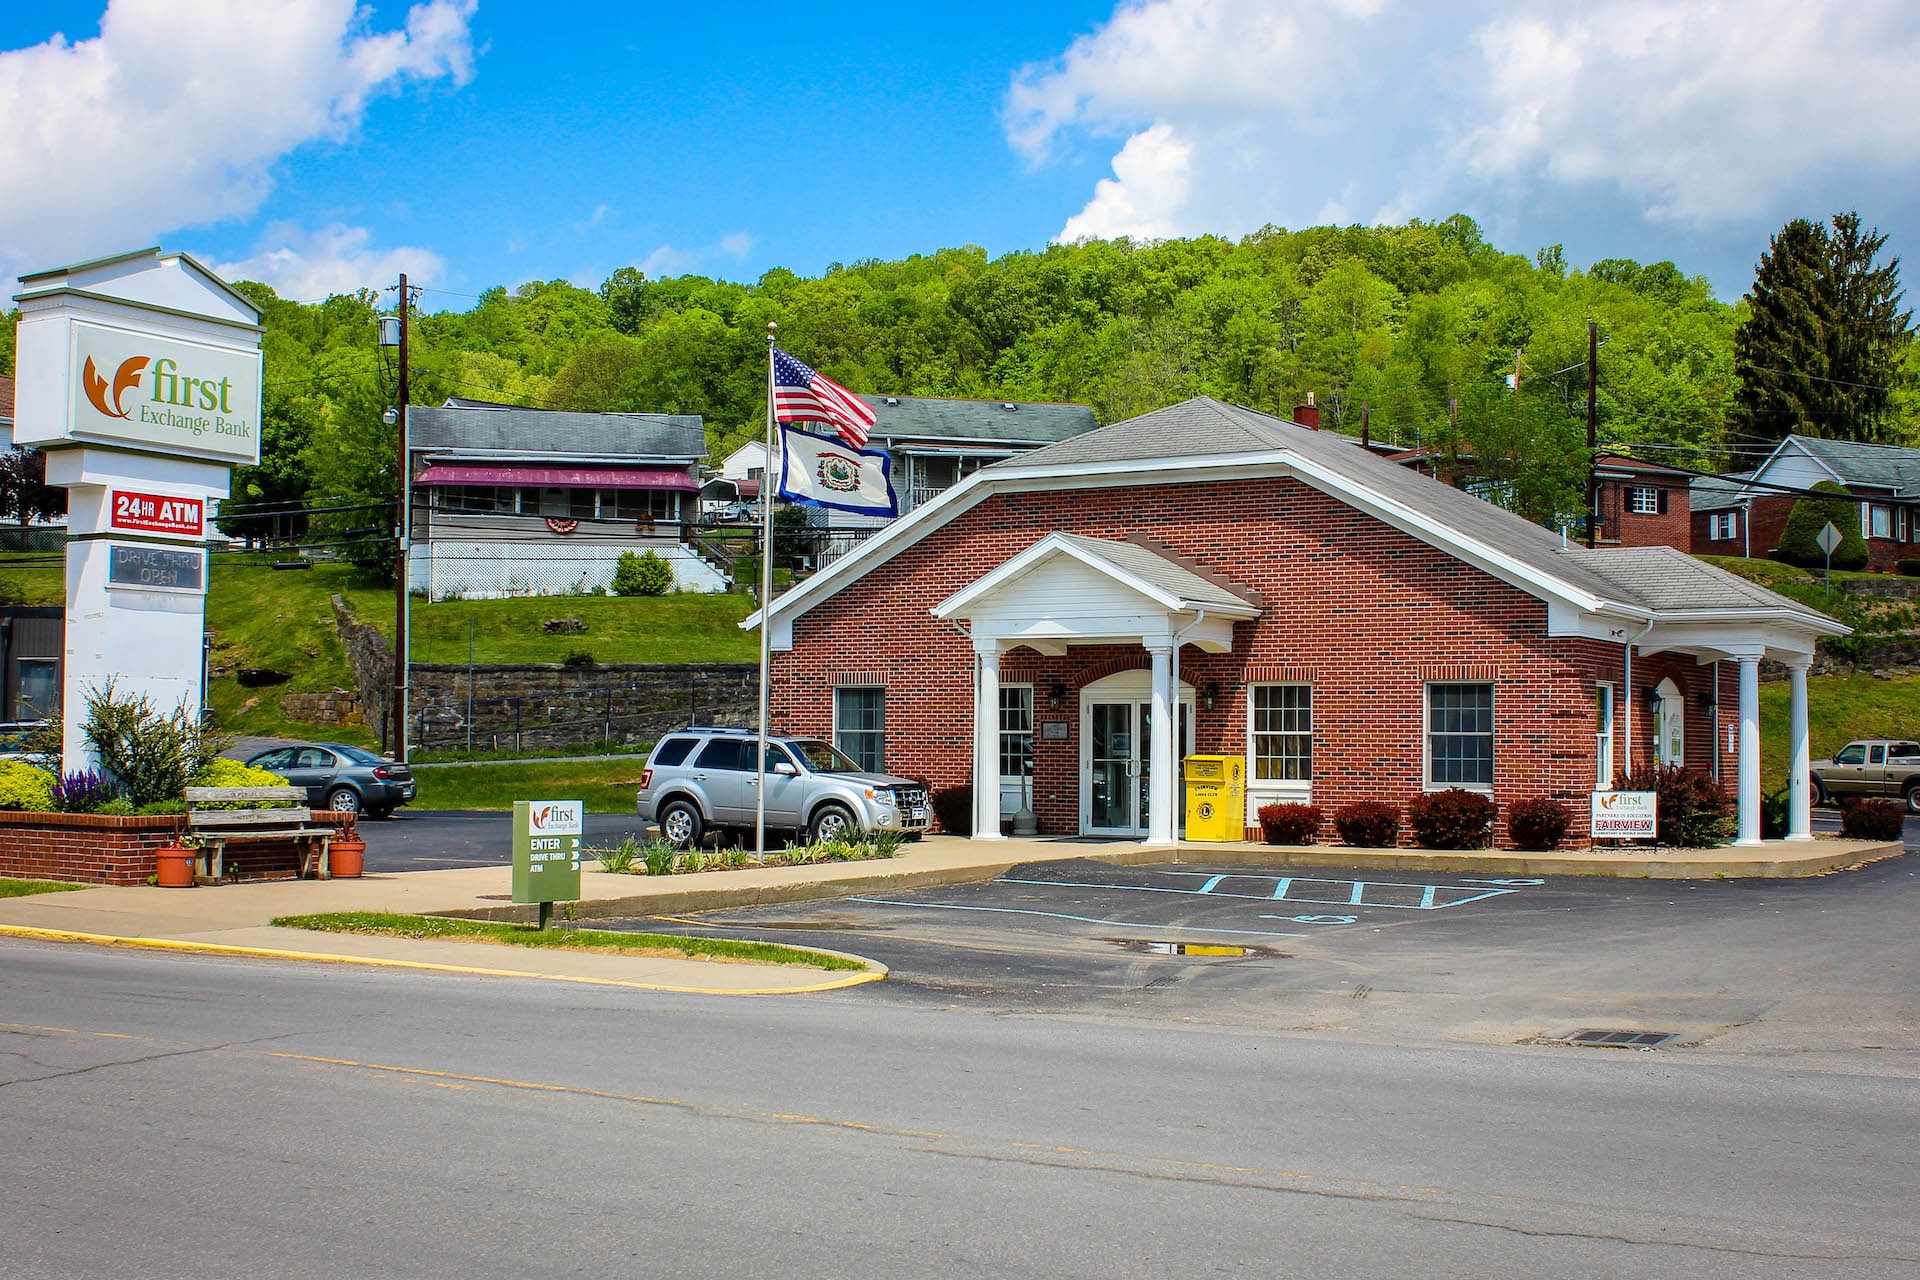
{"x": 766, "y": 610}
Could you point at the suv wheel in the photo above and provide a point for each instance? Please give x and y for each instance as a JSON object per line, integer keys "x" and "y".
{"x": 680, "y": 823}
{"x": 1819, "y": 797}
{"x": 834, "y": 822}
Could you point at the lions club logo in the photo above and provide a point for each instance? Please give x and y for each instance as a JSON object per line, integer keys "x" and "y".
{"x": 107, "y": 399}
{"x": 837, "y": 474}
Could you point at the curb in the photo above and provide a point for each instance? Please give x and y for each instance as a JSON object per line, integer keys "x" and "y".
{"x": 274, "y": 953}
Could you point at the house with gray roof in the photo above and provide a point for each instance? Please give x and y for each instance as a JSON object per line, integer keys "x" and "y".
{"x": 509, "y": 500}
{"x": 1060, "y": 629}
{"x": 1745, "y": 513}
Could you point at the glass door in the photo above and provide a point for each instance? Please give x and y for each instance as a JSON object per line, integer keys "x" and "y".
{"x": 1113, "y": 758}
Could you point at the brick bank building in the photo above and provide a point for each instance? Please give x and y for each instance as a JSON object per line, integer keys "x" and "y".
{"x": 1067, "y": 624}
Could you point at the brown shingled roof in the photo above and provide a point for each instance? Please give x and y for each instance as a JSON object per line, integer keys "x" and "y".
{"x": 6, "y": 397}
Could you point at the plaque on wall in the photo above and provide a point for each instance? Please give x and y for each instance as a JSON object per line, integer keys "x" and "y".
{"x": 1053, "y": 730}
{"x": 157, "y": 568}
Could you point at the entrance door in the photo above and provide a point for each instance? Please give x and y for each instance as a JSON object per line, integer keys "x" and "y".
{"x": 1119, "y": 765}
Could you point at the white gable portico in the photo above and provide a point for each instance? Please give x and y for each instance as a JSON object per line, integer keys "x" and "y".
{"x": 1068, "y": 590}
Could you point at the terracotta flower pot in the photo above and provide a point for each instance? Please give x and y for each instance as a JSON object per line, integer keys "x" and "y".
{"x": 173, "y": 867}
{"x": 346, "y": 855}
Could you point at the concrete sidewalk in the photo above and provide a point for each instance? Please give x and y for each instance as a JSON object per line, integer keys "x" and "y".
{"x": 233, "y": 919}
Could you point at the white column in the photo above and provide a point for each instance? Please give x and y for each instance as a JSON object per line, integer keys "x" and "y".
{"x": 1164, "y": 769}
{"x": 1799, "y": 802}
{"x": 986, "y": 742}
{"x": 1748, "y": 796}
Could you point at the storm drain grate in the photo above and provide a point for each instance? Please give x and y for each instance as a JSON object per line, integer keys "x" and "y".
{"x": 1607, "y": 1038}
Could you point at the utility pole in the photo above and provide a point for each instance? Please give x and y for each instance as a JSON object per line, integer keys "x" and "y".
{"x": 1593, "y": 382}
{"x": 403, "y": 541}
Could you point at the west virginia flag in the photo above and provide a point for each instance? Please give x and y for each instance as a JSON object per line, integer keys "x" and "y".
{"x": 827, "y": 473}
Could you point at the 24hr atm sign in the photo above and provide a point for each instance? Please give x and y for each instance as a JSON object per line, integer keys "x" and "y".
{"x": 180, "y": 397}
{"x": 546, "y": 849}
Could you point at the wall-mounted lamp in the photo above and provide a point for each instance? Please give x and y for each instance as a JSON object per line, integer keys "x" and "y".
{"x": 1708, "y": 703}
{"x": 1056, "y": 694}
{"x": 1651, "y": 697}
{"x": 1211, "y": 692}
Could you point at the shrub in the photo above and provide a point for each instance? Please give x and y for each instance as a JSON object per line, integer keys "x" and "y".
{"x": 1452, "y": 819}
{"x": 1908, "y": 568}
{"x": 1290, "y": 823}
{"x": 1539, "y": 824}
{"x": 151, "y": 753}
{"x": 953, "y": 806}
{"x": 1809, "y": 515}
{"x": 231, "y": 773}
{"x": 1873, "y": 820}
{"x": 1774, "y": 815}
{"x": 25, "y": 788}
{"x": 1368, "y": 824}
{"x": 1693, "y": 811}
{"x": 83, "y": 792}
{"x": 642, "y": 575}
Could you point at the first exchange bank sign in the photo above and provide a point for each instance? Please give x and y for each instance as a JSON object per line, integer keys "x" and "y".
{"x": 141, "y": 390}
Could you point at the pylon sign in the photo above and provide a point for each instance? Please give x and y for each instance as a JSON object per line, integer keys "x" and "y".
{"x": 139, "y": 376}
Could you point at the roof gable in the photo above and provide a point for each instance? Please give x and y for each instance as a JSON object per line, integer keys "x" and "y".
{"x": 988, "y": 421}
{"x": 1135, "y": 567}
{"x": 169, "y": 281}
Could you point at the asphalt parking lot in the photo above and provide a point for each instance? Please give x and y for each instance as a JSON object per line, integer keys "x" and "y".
{"x": 442, "y": 839}
{"x": 1803, "y": 966}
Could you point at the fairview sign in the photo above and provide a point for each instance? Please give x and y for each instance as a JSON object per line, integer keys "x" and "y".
{"x": 144, "y": 390}
{"x": 1625, "y": 815}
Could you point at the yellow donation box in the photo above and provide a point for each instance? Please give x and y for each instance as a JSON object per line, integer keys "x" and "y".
{"x": 1216, "y": 797}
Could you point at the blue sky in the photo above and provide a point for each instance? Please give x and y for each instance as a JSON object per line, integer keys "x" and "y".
{"x": 318, "y": 145}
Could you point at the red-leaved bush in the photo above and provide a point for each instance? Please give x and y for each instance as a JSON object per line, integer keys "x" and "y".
{"x": 1872, "y": 820}
{"x": 1290, "y": 823}
{"x": 1368, "y": 824}
{"x": 1452, "y": 819}
{"x": 1540, "y": 823}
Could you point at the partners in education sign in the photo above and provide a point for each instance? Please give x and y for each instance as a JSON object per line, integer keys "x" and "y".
{"x": 1625, "y": 815}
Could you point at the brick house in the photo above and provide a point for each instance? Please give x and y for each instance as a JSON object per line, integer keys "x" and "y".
{"x": 1744, "y": 514}
{"x": 1639, "y": 503}
{"x": 1355, "y": 629}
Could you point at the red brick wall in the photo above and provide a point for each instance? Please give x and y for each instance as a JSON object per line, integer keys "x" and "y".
{"x": 1365, "y": 613}
{"x": 82, "y": 847}
{"x": 1621, "y": 527}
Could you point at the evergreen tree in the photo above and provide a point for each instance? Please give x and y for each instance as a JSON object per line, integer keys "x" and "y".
{"x": 1825, "y": 340}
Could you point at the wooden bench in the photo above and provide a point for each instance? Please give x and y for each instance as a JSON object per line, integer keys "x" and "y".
{"x": 216, "y": 828}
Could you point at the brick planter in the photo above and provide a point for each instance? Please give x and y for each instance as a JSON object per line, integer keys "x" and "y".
{"x": 90, "y": 848}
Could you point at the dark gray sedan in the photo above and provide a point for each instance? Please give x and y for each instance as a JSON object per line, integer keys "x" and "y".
{"x": 348, "y": 779}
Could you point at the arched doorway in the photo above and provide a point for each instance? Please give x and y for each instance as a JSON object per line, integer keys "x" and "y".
{"x": 1670, "y": 724}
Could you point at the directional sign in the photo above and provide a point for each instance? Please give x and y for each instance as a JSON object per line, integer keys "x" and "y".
{"x": 1829, "y": 538}
{"x": 546, "y": 850}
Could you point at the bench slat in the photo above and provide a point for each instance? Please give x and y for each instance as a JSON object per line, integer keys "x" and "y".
{"x": 223, "y": 795}
{"x": 248, "y": 817}
{"x": 248, "y": 833}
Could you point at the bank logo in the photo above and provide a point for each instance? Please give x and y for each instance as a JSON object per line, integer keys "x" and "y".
{"x": 107, "y": 399}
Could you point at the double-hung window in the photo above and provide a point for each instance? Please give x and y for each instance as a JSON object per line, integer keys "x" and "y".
{"x": 860, "y": 726}
{"x": 1016, "y": 731}
{"x": 1282, "y": 732}
{"x": 1460, "y": 735}
{"x": 1603, "y": 736}
{"x": 1724, "y": 525}
{"x": 1879, "y": 521}
{"x": 1643, "y": 501}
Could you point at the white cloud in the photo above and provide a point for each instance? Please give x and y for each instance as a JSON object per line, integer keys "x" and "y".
{"x": 1700, "y": 113}
{"x": 669, "y": 261}
{"x": 174, "y": 114}
{"x": 306, "y": 266}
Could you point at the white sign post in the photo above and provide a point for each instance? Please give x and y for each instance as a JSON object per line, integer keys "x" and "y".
{"x": 139, "y": 376}
{"x": 1625, "y": 815}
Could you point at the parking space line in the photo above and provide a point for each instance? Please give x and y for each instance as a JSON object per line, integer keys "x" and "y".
{"x": 1057, "y": 915}
{"x": 1283, "y": 890}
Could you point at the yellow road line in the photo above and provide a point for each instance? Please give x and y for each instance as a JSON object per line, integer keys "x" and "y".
{"x": 271, "y": 953}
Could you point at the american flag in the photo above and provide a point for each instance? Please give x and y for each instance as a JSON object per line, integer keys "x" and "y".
{"x": 801, "y": 395}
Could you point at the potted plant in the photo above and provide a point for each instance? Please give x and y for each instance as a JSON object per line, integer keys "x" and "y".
{"x": 173, "y": 862}
{"x": 346, "y": 852}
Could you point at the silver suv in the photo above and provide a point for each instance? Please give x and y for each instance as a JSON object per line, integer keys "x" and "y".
{"x": 703, "y": 779}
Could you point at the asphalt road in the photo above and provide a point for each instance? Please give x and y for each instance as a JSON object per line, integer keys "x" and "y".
{"x": 166, "y": 1116}
{"x": 440, "y": 839}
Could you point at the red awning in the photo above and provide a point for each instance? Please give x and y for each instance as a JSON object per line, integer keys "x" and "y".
{"x": 451, "y": 473}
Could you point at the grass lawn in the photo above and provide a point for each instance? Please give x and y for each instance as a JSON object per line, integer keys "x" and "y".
{"x": 40, "y": 576}
{"x": 1839, "y": 709}
{"x": 607, "y": 786}
{"x": 393, "y": 925}
{"x": 279, "y": 620}
{"x": 683, "y": 627}
{"x": 21, "y": 888}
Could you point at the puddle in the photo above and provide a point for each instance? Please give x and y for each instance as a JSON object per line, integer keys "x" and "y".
{"x": 1205, "y": 950}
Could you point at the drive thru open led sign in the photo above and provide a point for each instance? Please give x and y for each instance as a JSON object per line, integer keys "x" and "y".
{"x": 157, "y": 513}
{"x": 1625, "y": 815}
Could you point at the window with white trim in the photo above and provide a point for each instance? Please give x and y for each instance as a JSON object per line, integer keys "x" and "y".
{"x": 1643, "y": 501}
{"x": 1723, "y": 525}
{"x": 1900, "y": 524}
{"x": 860, "y": 726}
{"x": 1879, "y": 521}
{"x": 1016, "y": 731}
{"x": 1460, "y": 735}
{"x": 1603, "y": 736}
{"x": 1280, "y": 729}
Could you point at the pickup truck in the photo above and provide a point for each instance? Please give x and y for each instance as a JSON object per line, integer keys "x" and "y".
{"x": 1882, "y": 767}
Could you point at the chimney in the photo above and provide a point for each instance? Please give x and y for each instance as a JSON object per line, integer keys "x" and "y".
{"x": 1307, "y": 415}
